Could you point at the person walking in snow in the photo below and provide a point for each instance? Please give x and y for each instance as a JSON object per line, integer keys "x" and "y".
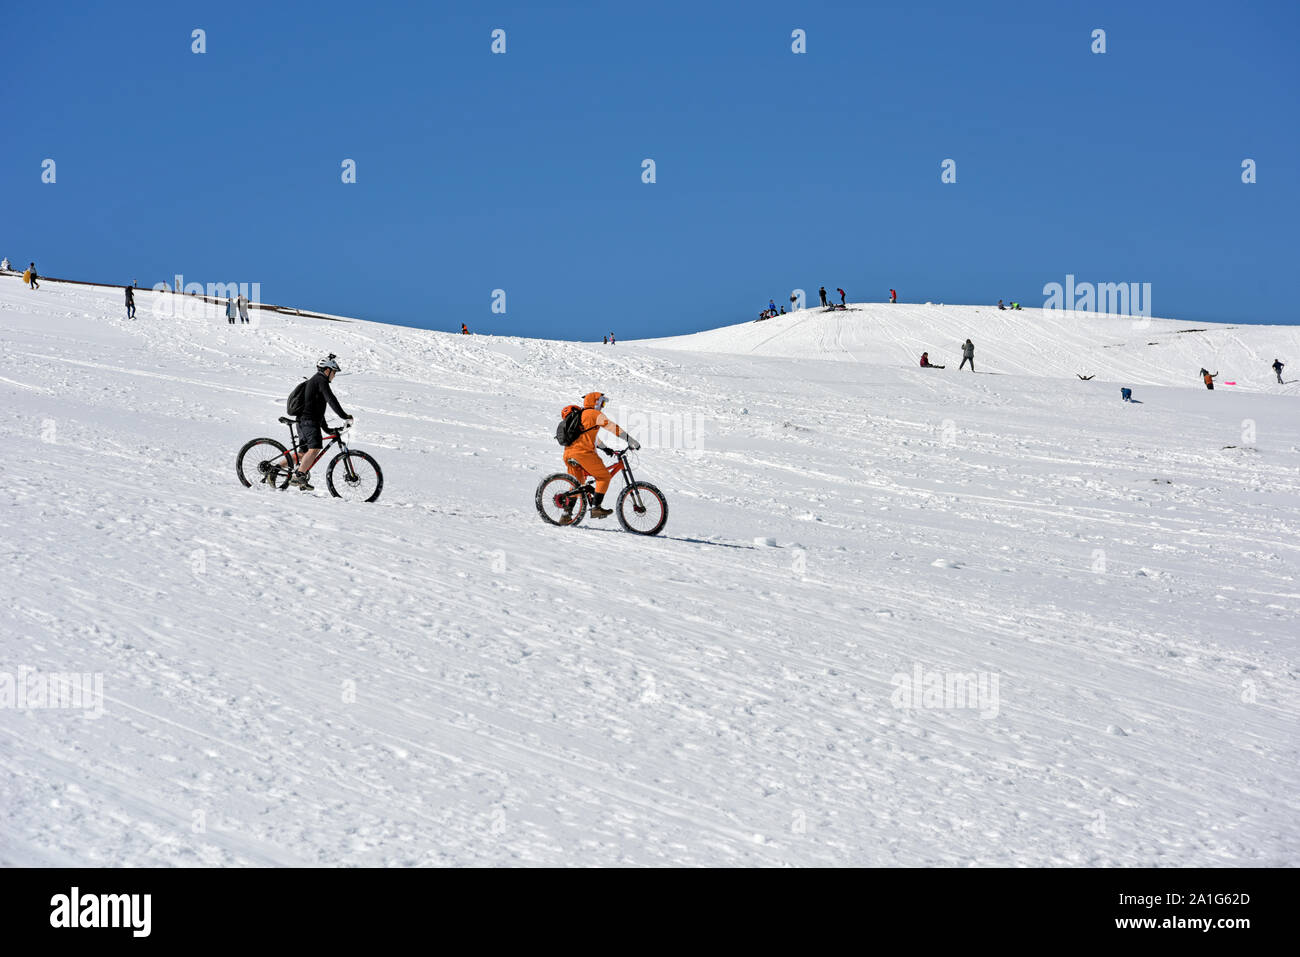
{"x": 231, "y": 312}
{"x": 130, "y": 303}
{"x": 1209, "y": 378}
{"x": 1278, "y": 366}
{"x": 893, "y": 295}
{"x": 841, "y": 292}
{"x": 611, "y": 338}
{"x": 242, "y": 303}
{"x": 822, "y": 293}
{"x": 31, "y": 277}
{"x": 967, "y": 355}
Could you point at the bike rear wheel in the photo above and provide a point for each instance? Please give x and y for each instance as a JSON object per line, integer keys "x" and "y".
{"x": 354, "y": 476}
{"x": 642, "y": 509}
{"x": 554, "y": 492}
{"x": 257, "y": 459}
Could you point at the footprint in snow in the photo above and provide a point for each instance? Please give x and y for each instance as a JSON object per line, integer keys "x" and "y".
{"x": 945, "y": 563}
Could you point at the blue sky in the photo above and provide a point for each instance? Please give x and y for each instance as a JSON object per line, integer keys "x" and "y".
{"x": 774, "y": 170}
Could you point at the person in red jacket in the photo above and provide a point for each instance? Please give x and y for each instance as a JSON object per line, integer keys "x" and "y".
{"x": 581, "y": 458}
{"x": 893, "y": 296}
{"x": 926, "y": 363}
{"x": 841, "y": 292}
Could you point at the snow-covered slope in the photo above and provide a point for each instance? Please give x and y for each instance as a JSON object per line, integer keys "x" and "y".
{"x": 1130, "y": 350}
{"x": 441, "y": 678}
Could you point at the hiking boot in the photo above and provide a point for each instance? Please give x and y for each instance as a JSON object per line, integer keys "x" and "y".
{"x": 300, "y": 479}
{"x": 566, "y": 517}
{"x": 599, "y": 511}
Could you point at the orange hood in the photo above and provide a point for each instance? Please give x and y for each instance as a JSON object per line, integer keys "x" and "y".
{"x": 589, "y": 400}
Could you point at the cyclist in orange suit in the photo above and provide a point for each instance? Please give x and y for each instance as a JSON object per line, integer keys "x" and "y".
{"x": 583, "y": 451}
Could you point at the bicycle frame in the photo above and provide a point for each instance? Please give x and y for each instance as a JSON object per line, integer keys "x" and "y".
{"x": 622, "y": 467}
{"x": 337, "y": 438}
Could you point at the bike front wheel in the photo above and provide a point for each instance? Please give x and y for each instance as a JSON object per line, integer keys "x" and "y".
{"x": 354, "y": 476}
{"x": 264, "y": 464}
{"x": 555, "y": 492}
{"x": 642, "y": 509}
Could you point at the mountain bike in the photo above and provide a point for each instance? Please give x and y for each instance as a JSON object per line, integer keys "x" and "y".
{"x": 641, "y": 508}
{"x": 266, "y": 464}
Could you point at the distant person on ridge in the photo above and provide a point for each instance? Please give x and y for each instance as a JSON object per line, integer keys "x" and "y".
{"x": 771, "y": 306}
{"x": 464, "y": 329}
{"x": 841, "y": 292}
{"x": 241, "y": 302}
{"x": 1001, "y": 306}
{"x": 927, "y": 364}
{"x": 30, "y": 277}
{"x": 607, "y": 338}
{"x": 4, "y": 266}
{"x": 793, "y": 300}
{"x": 822, "y": 293}
{"x": 1278, "y": 366}
{"x": 1209, "y": 378}
{"x": 893, "y": 295}
{"x": 231, "y": 312}
{"x": 130, "y": 303}
{"x": 611, "y": 338}
{"x": 580, "y": 456}
{"x": 967, "y": 355}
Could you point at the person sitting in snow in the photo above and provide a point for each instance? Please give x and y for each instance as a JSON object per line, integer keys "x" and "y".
{"x": 926, "y": 363}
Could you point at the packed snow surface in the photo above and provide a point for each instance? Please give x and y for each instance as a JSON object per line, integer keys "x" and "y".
{"x": 897, "y": 616}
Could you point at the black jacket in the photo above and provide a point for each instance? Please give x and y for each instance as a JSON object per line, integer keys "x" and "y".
{"x": 130, "y": 297}
{"x": 314, "y": 397}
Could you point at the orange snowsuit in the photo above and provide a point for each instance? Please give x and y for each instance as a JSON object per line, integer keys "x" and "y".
{"x": 583, "y": 451}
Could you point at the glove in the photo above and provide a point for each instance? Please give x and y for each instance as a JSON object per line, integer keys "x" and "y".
{"x": 633, "y": 444}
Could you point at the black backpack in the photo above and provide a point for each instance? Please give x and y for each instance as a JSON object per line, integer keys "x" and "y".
{"x": 297, "y": 399}
{"x": 570, "y": 427}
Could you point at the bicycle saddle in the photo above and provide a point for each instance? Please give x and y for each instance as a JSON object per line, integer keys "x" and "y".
{"x": 286, "y": 420}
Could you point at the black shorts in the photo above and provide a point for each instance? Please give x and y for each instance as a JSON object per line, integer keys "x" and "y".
{"x": 308, "y": 435}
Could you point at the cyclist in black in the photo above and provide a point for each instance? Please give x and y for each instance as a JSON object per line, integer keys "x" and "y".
{"x": 312, "y": 420}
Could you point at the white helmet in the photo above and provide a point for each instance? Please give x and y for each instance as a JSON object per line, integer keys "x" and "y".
{"x": 329, "y": 362}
